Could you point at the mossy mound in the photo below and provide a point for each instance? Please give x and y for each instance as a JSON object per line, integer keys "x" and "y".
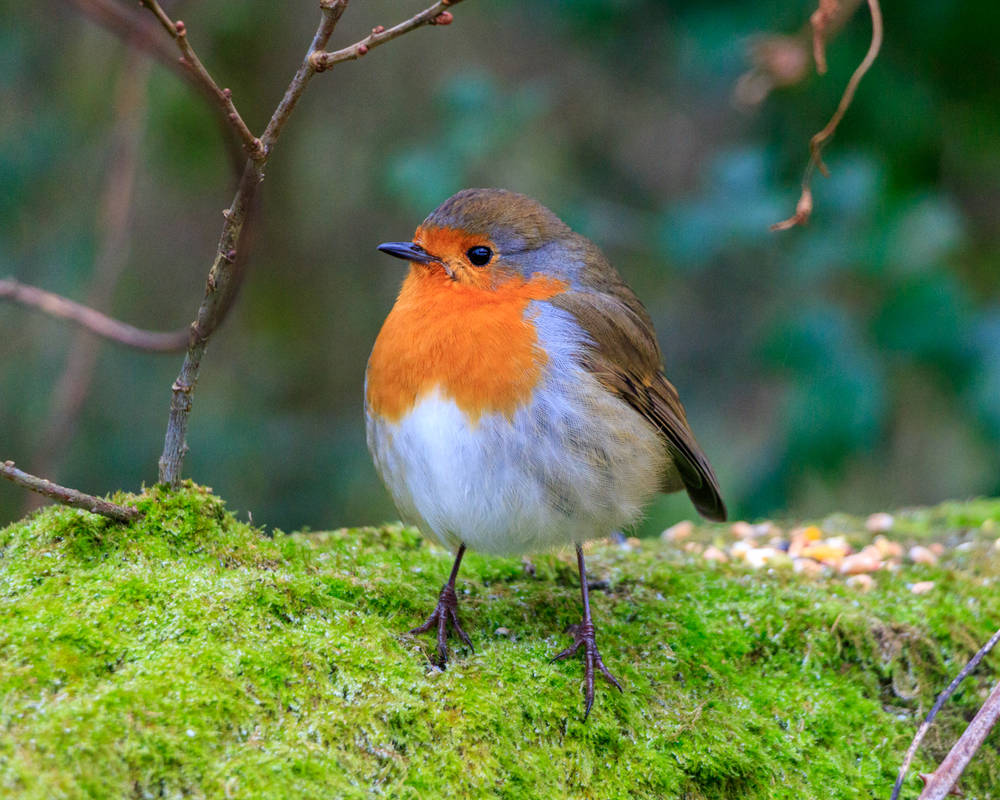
{"x": 191, "y": 655}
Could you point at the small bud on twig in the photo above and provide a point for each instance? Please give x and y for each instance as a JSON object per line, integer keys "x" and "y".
{"x": 378, "y": 29}
{"x": 362, "y": 49}
{"x": 180, "y": 27}
{"x": 444, "y": 18}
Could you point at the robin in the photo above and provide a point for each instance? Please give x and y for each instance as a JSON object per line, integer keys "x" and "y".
{"x": 515, "y": 399}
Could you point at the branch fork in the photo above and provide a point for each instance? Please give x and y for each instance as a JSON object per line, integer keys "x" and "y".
{"x": 436, "y": 14}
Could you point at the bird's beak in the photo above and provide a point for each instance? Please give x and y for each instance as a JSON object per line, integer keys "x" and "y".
{"x": 409, "y": 251}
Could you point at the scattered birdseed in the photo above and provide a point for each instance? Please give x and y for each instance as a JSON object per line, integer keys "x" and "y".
{"x": 679, "y": 532}
{"x": 713, "y": 553}
{"x": 922, "y": 555}
{"x": 807, "y": 566}
{"x": 812, "y": 553}
{"x": 859, "y": 563}
{"x": 863, "y": 582}
{"x": 880, "y": 522}
{"x": 888, "y": 548}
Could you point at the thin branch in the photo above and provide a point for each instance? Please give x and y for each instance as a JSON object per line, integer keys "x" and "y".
{"x": 941, "y": 700}
{"x": 224, "y": 97}
{"x": 67, "y": 496}
{"x": 220, "y": 289}
{"x": 823, "y": 24}
{"x": 94, "y": 321}
{"x": 223, "y": 277}
{"x": 820, "y": 140}
{"x": 940, "y": 783}
{"x": 437, "y": 14}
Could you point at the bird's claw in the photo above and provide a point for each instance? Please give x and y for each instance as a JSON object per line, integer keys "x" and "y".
{"x": 445, "y": 614}
{"x": 584, "y": 636}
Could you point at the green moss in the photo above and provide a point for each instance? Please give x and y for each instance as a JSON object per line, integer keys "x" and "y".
{"x": 192, "y": 655}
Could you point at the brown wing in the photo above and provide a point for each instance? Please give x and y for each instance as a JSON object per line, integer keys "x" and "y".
{"x": 626, "y": 358}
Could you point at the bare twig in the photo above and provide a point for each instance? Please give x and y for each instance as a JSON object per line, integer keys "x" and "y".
{"x": 223, "y": 281}
{"x": 823, "y": 22}
{"x": 940, "y": 783}
{"x": 820, "y": 140}
{"x": 224, "y": 97}
{"x": 223, "y": 278}
{"x": 437, "y": 14}
{"x": 94, "y": 321}
{"x": 941, "y": 700}
{"x": 67, "y": 496}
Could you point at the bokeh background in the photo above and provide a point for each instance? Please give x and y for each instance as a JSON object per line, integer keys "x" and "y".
{"x": 851, "y": 365}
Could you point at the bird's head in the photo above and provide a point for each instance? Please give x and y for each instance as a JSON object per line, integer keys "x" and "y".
{"x": 487, "y": 237}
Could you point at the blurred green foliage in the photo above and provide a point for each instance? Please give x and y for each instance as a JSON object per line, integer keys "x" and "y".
{"x": 853, "y": 364}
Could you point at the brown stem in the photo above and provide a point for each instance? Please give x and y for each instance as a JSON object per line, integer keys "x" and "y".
{"x": 224, "y": 97}
{"x": 941, "y": 700}
{"x": 820, "y": 139}
{"x": 429, "y": 16}
{"x": 94, "y": 321}
{"x": 220, "y": 288}
{"x": 67, "y": 496}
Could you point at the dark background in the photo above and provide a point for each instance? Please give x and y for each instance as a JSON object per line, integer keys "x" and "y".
{"x": 852, "y": 365}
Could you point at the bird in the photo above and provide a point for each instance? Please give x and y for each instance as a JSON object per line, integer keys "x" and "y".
{"x": 515, "y": 399}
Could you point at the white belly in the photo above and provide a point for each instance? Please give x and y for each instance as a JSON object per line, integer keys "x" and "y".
{"x": 572, "y": 465}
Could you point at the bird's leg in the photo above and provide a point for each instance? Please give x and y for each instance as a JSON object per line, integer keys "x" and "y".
{"x": 446, "y": 613}
{"x": 583, "y": 636}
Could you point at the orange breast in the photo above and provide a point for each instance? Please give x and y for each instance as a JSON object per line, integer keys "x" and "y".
{"x": 471, "y": 342}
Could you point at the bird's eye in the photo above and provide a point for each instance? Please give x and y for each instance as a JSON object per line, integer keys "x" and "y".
{"x": 479, "y": 256}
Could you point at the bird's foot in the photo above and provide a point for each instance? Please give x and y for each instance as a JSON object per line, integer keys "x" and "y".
{"x": 445, "y": 614}
{"x": 583, "y": 636}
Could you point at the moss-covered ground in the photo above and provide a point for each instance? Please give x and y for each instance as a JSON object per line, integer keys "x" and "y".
{"x": 192, "y": 655}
